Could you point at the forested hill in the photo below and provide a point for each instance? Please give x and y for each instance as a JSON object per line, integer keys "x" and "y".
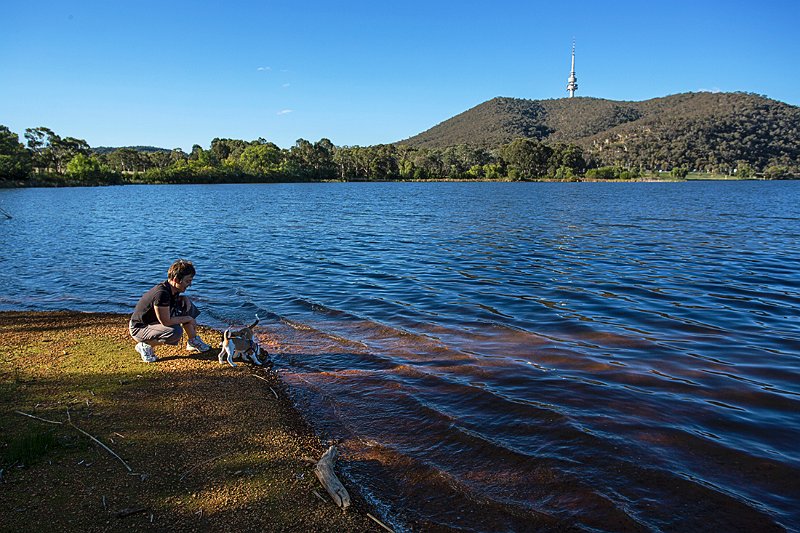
{"x": 705, "y": 131}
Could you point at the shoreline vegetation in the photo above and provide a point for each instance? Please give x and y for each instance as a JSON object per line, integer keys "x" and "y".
{"x": 95, "y": 440}
{"x": 48, "y": 160}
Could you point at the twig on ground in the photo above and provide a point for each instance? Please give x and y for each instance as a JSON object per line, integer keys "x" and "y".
{"x": 318, "y": 495}
{"x": 109, "y": 450}
{"x": 265, "y": 379}
{"x": 384, "y": 526}
{"x": 38, "y": 418}
{"x": 198, "y": 465}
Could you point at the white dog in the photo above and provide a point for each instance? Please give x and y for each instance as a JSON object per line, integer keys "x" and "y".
{"x": 240, "y": 344}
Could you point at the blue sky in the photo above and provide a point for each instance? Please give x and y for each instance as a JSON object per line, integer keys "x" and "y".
{"x": 174, "y": 74}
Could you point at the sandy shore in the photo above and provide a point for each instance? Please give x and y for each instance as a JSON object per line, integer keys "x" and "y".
{"x": 201, "y": 446}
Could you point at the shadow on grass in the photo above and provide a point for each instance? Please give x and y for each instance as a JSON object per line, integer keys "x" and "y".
{"x": 208, "y": 445}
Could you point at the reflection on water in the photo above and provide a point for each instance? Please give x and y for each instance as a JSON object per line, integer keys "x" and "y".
{"x": 490, "y": 357}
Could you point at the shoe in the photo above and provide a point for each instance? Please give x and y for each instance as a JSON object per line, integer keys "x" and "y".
{"x": 146, "y": 351}
{"x": 197, "y": 345}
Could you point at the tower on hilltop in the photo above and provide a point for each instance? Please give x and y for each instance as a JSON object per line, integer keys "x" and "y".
{"x": 572, "y": 84}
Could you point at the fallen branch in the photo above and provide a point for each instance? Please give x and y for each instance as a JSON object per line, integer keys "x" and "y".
{"x": 37, "y": 418}
{"x": 109, "y": 450}
{"x": 198, "y": 465}
{"x": 384, "y": 526}
{"x": 273, "y": 392}
{"x": 325, "y": 474}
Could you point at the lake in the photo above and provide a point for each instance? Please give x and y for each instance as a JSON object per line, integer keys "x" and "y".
{"x": 489, "y": 356}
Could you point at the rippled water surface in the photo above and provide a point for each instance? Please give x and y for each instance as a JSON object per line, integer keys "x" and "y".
{"x": 515, "y": 357}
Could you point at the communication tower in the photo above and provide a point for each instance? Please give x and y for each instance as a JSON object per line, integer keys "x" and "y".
{"x": 572, "y": 84}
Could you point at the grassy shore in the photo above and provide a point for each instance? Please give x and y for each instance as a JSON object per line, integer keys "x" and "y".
{"x": 209, "y": 447}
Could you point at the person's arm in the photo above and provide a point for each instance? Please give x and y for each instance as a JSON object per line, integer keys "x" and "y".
{"x": 162, "y": 313}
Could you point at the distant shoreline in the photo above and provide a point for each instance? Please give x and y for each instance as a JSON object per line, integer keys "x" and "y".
{"x": 19, "y": 185}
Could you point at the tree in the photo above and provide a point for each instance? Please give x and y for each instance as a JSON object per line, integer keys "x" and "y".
{"x": 261, "y": 159}
{"x": 224, "y": 149}
{"x": 50, "y": 151}
{"x": 127, "y": 160}
{"x": 744, "y": 170}
{"x": 324, "y": 165}
{"x": 567, "y": 156}
{"x": 15, "y": 160}
{"x": 88, "y": 170}
{"x": 776, "y": 172}
{"x": 679, "y": 172}
{"x": 527, "y": 158}
{"x": 345, "y": 162}
{"x": 38, "y": 140}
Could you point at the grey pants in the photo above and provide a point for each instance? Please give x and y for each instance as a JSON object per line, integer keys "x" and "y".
{"x": 158, "y": 333}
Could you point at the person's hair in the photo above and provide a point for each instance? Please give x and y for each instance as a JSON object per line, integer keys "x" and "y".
{"x": 180, "y": 269}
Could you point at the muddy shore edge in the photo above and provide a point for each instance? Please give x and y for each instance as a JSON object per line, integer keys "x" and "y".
{"x": 199, "y": 446}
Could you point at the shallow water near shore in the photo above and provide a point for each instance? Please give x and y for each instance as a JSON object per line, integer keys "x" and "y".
{"x": 490, "y": 356}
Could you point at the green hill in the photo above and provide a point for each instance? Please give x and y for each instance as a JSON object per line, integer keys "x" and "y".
{"x": 703, "y": 131}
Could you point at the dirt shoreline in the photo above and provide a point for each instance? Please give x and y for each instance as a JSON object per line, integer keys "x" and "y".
{"x": 209, "y": 447}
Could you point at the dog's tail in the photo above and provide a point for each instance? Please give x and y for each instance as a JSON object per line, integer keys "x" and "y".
{"x": 251, "y": 326}
{"x": 226, "y": 335}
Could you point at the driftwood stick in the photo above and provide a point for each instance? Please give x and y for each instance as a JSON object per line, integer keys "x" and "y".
{"x": 198, "y": 465}
{"x": 325, "y": 474}
{"x": 265, "y": 379}
{"x": 384, "y": 526}
{"x": 37, "y": 418}
{"x": 109, "y": 450}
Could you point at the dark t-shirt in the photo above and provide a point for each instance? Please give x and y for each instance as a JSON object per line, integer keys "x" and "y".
{"x": 160, "y": 295}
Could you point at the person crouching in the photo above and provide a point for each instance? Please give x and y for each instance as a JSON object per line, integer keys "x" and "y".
{"x": 162, "y": 314}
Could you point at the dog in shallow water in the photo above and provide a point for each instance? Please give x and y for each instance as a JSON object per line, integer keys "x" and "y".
{"x": 241, "y": 344}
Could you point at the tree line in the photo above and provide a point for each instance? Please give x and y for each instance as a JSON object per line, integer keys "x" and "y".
{"x": 48, "y": 159}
